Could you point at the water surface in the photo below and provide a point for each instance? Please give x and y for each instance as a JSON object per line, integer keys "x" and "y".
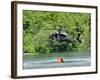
{"x": 71, "y": 59}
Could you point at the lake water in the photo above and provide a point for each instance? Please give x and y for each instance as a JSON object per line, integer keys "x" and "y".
{"x": 71, "y": 59}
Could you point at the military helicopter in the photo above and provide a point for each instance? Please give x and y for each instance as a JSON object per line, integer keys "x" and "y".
{"x": 61, "y": 36}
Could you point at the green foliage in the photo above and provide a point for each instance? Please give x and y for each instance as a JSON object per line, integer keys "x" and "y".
{"x": 28, "y": 43}
{"x": 38, "y": 25}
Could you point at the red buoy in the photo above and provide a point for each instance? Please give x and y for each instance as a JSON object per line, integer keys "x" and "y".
{"x": 60, "y": 60}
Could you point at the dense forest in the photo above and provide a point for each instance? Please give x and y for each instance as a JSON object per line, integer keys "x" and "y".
{"x": 38, "y": 25}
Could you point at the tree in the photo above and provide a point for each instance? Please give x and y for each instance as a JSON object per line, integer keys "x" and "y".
{"x": 38, "y": 25}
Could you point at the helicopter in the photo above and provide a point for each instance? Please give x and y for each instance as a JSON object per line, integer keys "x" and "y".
{"x": 64, "y": 37}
